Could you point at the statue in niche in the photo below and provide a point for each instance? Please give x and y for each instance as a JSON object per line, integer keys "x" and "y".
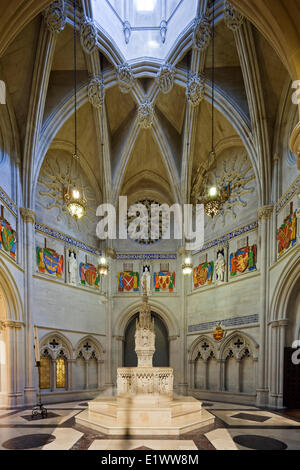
{"x": 220, "y": 267}
{"x": 146, "y": 280}
{"x": 72, "y": 269}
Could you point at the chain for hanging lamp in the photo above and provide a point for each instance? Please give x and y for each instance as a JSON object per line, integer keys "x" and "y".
{"x": 74, "y": 195}
{"x": 213, "y": 196}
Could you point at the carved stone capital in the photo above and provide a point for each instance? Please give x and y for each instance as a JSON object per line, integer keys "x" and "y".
{"x": 2, "y": 325}
{"x": 202, "y": 33}
{"x": 145, "y": 114}
{"x": 55, "y": 17}
{"x": 232, "y": 17}
{"x": 110, "y": 253}
{"x": 165, "y": 78}
{"x": 96, "y": 92}
{"x": 88, "y": 36}
{"x": 295, "y": 143}
{"x": 125, "y": 77}
{"x": 27, "y": 215}
{"x": 265, "y": 212}
{"x": 195, "y": 89}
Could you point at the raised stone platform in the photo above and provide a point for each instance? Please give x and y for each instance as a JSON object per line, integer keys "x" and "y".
{"x": 145, "y": 415}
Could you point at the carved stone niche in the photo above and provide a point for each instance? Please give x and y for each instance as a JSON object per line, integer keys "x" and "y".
{"x": 232, "y": 17}
{"x": 145, "y": 114}
{"x": 55, "y": 17}
{"x": 88, "y": 36}
{"x": 195, "y": 89}
{"x": 125, "y": 77}
{"x": 96, "y": 92}
{"x": 202, "y": 33}
{"x": 165, "y": 78}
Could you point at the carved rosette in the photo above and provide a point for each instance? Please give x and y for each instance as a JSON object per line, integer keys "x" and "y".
{"x": 125, "y": 77}
{"x": 88, "y": 36}
{"x": 202, "y": 33}
{"x": 54, "y": 16}
{"x": 96, "y": 92}
{"x": 145, "y": 114}
{"x": 195, "y": 89}
{"x": 232, "y": 17}
{"x": 165, "y": 78}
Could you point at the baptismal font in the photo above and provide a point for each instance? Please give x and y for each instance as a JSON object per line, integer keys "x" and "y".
{"x": 144, "y": 404}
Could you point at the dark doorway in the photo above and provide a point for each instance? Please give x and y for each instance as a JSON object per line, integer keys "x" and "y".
{"x": 291, "y": 381}
{"x": 161, "y": 355}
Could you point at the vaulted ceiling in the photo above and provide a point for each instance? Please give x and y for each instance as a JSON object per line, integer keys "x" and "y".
{"x": 123, "y": 156}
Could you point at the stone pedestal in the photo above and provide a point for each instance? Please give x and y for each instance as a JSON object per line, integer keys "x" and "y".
{"x": 144, "y": 404}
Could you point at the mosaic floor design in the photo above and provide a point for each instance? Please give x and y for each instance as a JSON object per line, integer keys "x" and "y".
{"x": 237, "y": 427}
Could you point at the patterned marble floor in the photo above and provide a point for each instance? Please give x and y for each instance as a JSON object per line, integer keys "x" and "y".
{"x": 236, "y": 427}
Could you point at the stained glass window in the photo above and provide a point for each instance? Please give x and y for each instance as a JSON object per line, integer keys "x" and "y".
{"x": 45, "y": 373}
{"x": 60, "y": 373}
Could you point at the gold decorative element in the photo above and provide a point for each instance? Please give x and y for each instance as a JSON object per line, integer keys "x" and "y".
{"x": 265, "y": 212}
{"x": 44, "y": 376}
{"x": 27, "y": 215}
{"x": 54, "y": 177}
{"x": 60, "y": 373}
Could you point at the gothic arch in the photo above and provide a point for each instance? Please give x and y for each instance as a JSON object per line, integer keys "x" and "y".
{"x": 11, "y": 295}
{"x": 239, "y": 351}
{"x": 63, "y": 345}
{"x": 289, "y": 278}
{"x": 195, "y": 351}
{"x": 96, "y": 348}
{"x": 126, "y": 315}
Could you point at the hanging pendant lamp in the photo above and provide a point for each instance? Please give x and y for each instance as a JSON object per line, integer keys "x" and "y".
{"x": 74, "y": 195}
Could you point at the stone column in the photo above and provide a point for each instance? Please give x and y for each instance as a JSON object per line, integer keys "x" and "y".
{"x": 70, "y": 363}
{"x": 182, "y": 382}
{"x": 110, "y": 254}
{"x": 239, "y": 381}
{"x": 192, "y": 365}
{"x": 99, "y": 373}
{"x": 264, "y": 215}
{"x": 28, "y": 217}
{"x": 86, "y": 374}
{"x": 206, "y": 374}
{"x": 53, "y": 375}
{"x": 221, "y": 375}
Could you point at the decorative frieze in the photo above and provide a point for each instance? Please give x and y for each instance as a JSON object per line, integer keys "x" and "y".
{"x": 232, "y": 17}
{"x": 202, "y": 33}
{"x": 39, "y": 227}
{"x": 165, "y": 78}
{"x": 8, "y": 202}
{"x": 229, "y": 236}
{"x": 228, "y": 322}
{"x": 195, "y": 89}
{"x": 96, "y": 92}
{"x": 88, "y": 36}
{"x": 55, "y": 17}
{"x": 125, "y": 77}
{"x": 145, "y": 114}
{"x": 145, "y": 256}
{"x": 288, "y": 195}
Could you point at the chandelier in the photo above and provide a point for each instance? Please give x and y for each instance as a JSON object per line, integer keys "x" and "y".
{"x": 74, "y": 196}
{"x": 187, "y": 267}
{"x": 103, "y": 266}
{"x": 213, "y": 197}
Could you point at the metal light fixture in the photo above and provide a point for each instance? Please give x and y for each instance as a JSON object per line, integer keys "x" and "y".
{"x": 103, "y": 266}
{"x": 213, "y": 196}
{"x": 187, "y": 267}
{"x": 74, "y": 194}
